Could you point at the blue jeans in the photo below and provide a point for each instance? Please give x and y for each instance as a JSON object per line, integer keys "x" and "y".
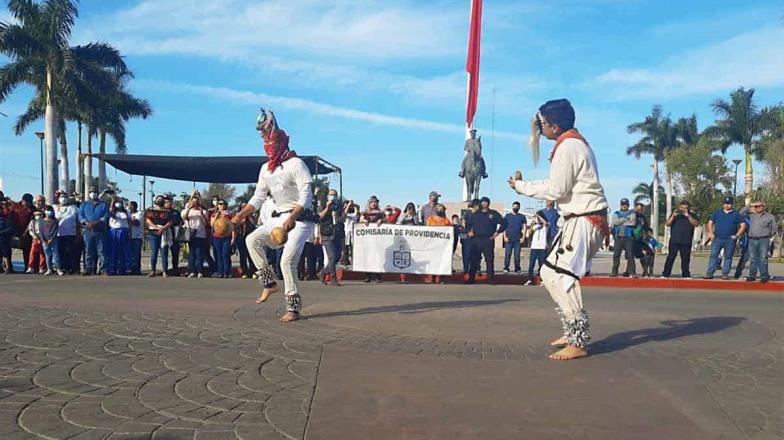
{"x": 222, "y": 247}
{"x": 537, "y": 255}
{"x": 136, "y": 255}
{"x": 512, "y": 245}
{"x": 155, "y": 248}
{"x": 758, "y": 249}
{"x": 717, "y": 245}
{"x": 196, "y": 255}
{"x": 93, "y": 250}
{"x": 52, "y": 255}
{"x": 119, "y": 260}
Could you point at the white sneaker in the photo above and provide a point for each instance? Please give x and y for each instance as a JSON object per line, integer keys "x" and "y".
{"x": 30, "y": 270}
{"x": 506, "y": 270}
{"x": 528, "y": 283}
{"x": 199, "y": 275}
{"x": 190, "y": 275}
{"x": 60, "y": 272}
{"x": 48, "y": 272}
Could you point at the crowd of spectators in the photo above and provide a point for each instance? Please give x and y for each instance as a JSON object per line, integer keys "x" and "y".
{"x": 104, "y": 234}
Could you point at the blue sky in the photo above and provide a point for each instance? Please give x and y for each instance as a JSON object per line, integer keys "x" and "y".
{"x": 379, "y": 87}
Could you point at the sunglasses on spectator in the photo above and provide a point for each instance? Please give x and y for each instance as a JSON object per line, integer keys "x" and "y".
{"x": 757, "y": 206}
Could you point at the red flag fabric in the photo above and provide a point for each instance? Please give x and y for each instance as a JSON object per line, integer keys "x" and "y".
{"x": 472, "y": 64}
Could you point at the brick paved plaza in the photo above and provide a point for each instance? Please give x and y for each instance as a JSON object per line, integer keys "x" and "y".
{"x": 137, "y": 358}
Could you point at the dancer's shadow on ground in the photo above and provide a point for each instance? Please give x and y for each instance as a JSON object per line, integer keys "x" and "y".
{"x": 422, "y": 307}
{"x": 671, "y": 330}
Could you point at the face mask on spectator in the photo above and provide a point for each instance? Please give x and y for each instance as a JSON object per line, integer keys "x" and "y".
{"x": 118, "y": 205}
{"x": 50, "y": 214}
{"x": 93, "y": 195}
{"x": 63, "y": 200}
{"x": 331, "y": 198}
{"x": 515, "y": 210}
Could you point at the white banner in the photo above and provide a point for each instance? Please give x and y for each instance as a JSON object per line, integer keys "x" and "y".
{"x": 403, "y": 249}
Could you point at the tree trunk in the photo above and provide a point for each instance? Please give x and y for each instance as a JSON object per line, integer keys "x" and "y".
{"x": 655, "y": 207}
{"x": 101, "y": 161}
{"x": 79, "y": 161}
{"x": 65, "y": 177}
{"x": 88, "y": 163}
{"x": 749, "y": 176}
{"x": 50, "y": 136}
{"x": 668, "y": 195}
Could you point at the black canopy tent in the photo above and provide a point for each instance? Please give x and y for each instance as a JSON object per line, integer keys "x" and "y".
{"x": 217, "y": 169}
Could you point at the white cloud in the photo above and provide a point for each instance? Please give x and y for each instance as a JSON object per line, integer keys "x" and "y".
{"x": 751, "y": 59}
{"x": 244, "y": 96}
{"x": 331, "y": 29}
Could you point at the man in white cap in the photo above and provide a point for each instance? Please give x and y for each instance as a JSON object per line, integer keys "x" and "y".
{"x": 574, "y": 185}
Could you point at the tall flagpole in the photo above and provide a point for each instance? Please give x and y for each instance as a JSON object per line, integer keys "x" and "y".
{"x": 472, "y": 70}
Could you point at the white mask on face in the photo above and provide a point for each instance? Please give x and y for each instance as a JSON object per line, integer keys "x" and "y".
{"x": 63, "y": 200}
{"x": 118, "y": 205}
{"x": 93, "y": 196}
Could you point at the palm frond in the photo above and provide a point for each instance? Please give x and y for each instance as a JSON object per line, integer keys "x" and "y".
{"x": 103, "y": 55}
{"x": 25, "y": 11}
{"x": 13, "y": 75}
{"x": 59, "y": 16}
{"x": 36, "y": 109}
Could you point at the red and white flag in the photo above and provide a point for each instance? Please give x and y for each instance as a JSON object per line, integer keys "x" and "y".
{"x": 472, "y": 64}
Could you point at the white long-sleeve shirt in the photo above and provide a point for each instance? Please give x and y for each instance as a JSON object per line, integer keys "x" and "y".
{"x": 289, "y": 186}
{"x": 573, "y": 183}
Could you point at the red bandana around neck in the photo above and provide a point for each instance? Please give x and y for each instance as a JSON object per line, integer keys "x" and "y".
{"x": 276, "y": 145}
{"x": 568, "y": 134}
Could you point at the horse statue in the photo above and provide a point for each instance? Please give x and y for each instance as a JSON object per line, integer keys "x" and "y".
{"x": 473, "y": 169}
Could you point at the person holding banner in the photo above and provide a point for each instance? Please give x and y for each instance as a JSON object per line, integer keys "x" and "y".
{"x": 438, "y": 219}
{"x": 287, "y": 178}
{"x": 574, "y": 184}
{"x": 373, "y": 215}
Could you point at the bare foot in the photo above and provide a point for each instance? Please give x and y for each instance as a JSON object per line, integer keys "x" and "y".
{"x": 569, "y": 352}
{"x": 266, "y": 292}
{"x": 560, "y": 342}
{"x": 290, "y": 316}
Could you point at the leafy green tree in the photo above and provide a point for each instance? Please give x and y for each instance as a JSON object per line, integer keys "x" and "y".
{"x": 741, "y": 122}
{"x": 246, "y": 196}
{"x": 703, "y": 175}
{"x": 222, "y": 190}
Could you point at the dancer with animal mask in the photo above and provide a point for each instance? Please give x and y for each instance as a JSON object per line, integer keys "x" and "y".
{"x": 287, "y": 179}
{"x": 574, "y": 185}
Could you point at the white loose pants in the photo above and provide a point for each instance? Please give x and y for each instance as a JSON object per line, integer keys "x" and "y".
{"x": 292, "y": 250}
{"x": 573, "y": 249}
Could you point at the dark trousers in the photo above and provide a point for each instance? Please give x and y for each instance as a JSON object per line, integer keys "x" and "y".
{"x": 25, "y": 244}
{"x": 136, "y": 256}
{"x": 626, "y": 245}
{"x": 685, "y": 252}
{"x": 175, "y": 255}
{"x": 196, "y": 255}
{"x": 329, "y": 268}
{"x": 246, "y": 263}
{"x": 482, "y": 247}
{"x": 744, "y": 258}
{"x": 510, "y": 247}
{"x": 647, "y": 261}
{"x": 69, "y": 256}
{"x": 465, "y": 247}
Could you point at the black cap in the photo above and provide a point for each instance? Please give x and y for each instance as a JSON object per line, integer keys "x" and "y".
{"x": 729, "y": 200}
{"x": 475, "y": 202}
{"x": 485, "y": 199}
{"x": 625, "y": 201}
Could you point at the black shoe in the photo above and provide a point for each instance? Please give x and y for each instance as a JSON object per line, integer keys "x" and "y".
{"x": 468, "y": 282}
{"x": 764, "y": 280}
{"x": 708, "y": 277}
{"x": 751, "y": 279}
{"x": 366, "y": 280}
{"x": 613, "y": 275}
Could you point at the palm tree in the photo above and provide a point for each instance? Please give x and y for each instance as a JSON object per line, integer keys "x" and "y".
{"x": 643, "y": 192}
{"x": 37, "y": 46}
{"x": 740, "y": 122}
{"x": 113, "y": 111}
{"x": 658, "y": 137}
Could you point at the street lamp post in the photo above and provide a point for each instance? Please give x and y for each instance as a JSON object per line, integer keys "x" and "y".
{"x": 735, "y": 185}
{"x": 40, "y": 135}
{"x": 152, "y": 192}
